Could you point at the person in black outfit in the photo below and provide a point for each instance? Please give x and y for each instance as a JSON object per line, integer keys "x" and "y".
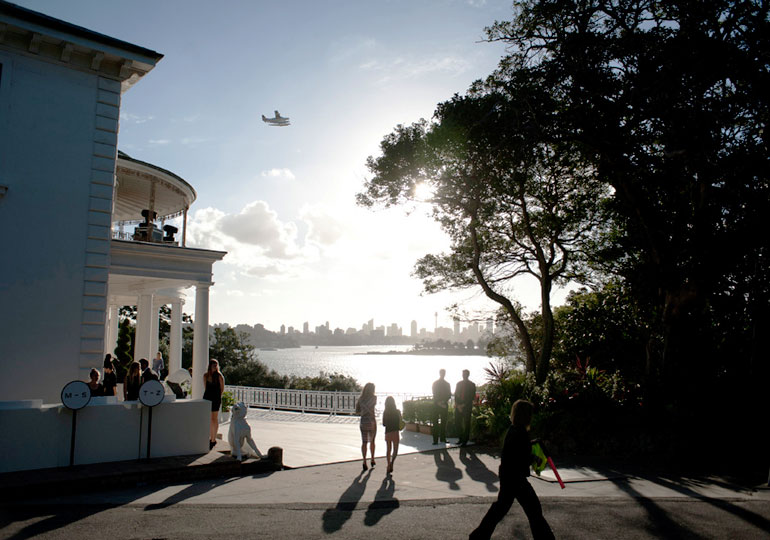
{"x": 147, "y": 373}
{"x": 465, "y": 393}
{"x": 213, "y": 388}
{"x": 110, "y": 380}
{"x": 94, "y": 385}
{"x": 514, "y": 470}
{"x": 441, "y": 394}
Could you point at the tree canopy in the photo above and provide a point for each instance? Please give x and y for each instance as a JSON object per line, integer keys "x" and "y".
{"x": 510, "y": 208}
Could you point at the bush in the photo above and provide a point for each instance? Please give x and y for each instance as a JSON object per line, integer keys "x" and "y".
{"x": 227, "y": 401}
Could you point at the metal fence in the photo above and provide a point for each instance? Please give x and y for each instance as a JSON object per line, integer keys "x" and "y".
{"x": 307, "y": 400}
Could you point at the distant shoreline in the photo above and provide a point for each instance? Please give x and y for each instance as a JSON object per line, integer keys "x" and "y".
{"x": 431, "y": 352}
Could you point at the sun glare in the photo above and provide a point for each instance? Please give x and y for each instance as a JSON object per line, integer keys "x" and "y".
{"x": 423, "y": 192}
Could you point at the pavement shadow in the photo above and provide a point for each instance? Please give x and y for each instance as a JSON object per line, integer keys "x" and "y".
{"x": 681, "y": 486}
{"x": 335, "y": 518}
{"x": 446, "y": 471}
{"x": 198, "y": 488}
{"x": 56, "y": 517}
{"x": 384, "y": 502}
{"x": 477, "y": 471}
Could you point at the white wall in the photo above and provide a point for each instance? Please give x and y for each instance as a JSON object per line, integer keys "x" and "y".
{"x": 103, "y": 433}
{"x": 57, "y": 132}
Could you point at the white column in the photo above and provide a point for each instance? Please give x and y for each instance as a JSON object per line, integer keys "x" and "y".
{"x": 155, "y": 329}
{"x": 175, "y": 338}
{"x": 143, "y": 345}
{"x": 111, "y": 334}
{"x": 200, "y": 339}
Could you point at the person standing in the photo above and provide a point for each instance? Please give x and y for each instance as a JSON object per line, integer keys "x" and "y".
{"x": 110, "y": 380}
{"x": 368, "y": 424}
{"x": 94, "y": 385}
{"x": 465, "y": 393}
{"x": 391, "y": 419}
{"x": 147, "y": 373}
{"x": 515, "y": 460}
{"x": 132, "y": 382}
{"x": 157, "y": 364}
{"x": 442, "y": 392}
{"x": 214, "y": 387}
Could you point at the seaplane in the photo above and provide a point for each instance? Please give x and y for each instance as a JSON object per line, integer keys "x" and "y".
{"x": 277, "y": 120}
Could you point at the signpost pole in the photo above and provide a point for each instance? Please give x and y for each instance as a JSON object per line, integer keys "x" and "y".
{"x": 149, "y": 431}
{"x": 72, "y": 438}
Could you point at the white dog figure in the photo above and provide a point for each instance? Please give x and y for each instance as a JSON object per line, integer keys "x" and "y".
{"x": 240, "y": 433}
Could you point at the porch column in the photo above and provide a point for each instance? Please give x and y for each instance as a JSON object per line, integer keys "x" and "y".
{"x": 155, "y": 329}
{"x": 143, "y": 345}
{"x": 175, "y": 338}
{"x": 111, "y": 336}
{"x": 200, "y": 339}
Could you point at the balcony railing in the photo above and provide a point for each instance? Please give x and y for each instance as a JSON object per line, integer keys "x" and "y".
{"x": 141, "y": 236}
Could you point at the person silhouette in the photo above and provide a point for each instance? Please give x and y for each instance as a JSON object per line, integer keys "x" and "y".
{"x": 441, "y": 394}
{"x": 515, "y": 460}
{"x": 465, "y": 393}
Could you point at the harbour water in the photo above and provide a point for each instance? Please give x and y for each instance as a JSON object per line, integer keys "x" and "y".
{"x": 397, "y": 373}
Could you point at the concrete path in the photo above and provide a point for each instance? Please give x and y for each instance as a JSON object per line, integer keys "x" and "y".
{"x": 438, "y": 493}
{"x": 317, "y": 439}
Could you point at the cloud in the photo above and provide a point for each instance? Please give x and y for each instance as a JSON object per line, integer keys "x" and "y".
{"x": 257, "y": 225}
{"x": 135, "y": 118}
{"x": 406, "y": 68}
{"x": 324, "y": 227}
{"x": 278, "y": 173}
{"x": 159, "y": 141}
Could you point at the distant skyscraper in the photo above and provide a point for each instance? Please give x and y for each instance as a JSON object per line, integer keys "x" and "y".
{"x": 306, "y": 327}
{"x": 283, "y": 329}
{"x": 457, "y": 326}
{"x": 414, "y": 329}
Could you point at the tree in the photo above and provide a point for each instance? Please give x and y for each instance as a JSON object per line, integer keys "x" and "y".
{"x": 510, "y": 207}
{"x": 230, "y": 348}
{"x": 670, "y": 102}
{"x": 123, "y": 349}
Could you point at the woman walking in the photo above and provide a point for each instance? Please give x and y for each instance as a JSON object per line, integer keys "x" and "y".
{"x": 214, "y": 384}
{"x": 391, "y": 419}
{"x": 368, "y": 424}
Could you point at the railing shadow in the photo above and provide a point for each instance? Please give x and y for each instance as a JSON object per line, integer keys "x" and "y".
{"x": 335, "y": 518}
{"x": 198, "y": 488}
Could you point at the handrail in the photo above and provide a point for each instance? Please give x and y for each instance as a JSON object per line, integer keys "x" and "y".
{"x": 305, "y": 400}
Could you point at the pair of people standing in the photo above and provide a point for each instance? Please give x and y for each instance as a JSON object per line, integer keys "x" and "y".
{"x": 465, "y": 392}
{"x": 391, "y": 419}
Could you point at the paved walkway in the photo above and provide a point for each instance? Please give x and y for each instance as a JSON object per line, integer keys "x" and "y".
{"x": 316, "y": 439}
{"x": 438, "y": 492}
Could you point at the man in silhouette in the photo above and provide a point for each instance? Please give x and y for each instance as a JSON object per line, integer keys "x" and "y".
{"x": 147, "y": 373}
{"x": 441, "y": 394}
{"x": 465, "y": 392}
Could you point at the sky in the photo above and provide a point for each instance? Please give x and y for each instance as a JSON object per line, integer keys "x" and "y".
{"x": 281, "y": 200}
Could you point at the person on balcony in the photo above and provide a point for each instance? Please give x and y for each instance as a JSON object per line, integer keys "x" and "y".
{"x": 391, "y": 419}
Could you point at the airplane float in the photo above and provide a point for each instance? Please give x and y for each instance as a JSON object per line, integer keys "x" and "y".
{"x": 277, "y": 120}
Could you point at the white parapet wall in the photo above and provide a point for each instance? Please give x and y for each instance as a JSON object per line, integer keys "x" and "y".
{"x": 40, "y": 437}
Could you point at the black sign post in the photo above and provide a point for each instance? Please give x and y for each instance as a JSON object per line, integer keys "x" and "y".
{"x": 151, "y": 393}
{"x": 75, "y": 395}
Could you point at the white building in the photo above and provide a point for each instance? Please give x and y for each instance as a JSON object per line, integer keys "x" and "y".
{"x": 63, "y": 188}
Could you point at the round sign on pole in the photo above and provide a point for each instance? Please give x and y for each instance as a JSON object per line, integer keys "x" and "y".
{"x": 151, "y": 393}
{"x": 75, "y": 395}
